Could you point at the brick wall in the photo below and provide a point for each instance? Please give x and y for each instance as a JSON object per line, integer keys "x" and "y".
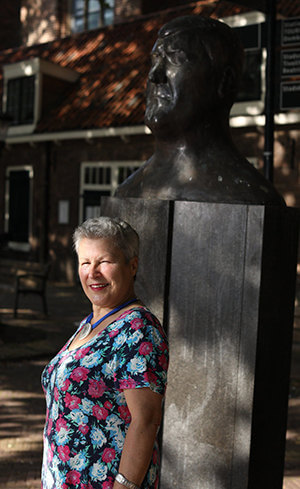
{"x": 10, "y": 33}
{"x": 56, "y": 170}
{"x": 39, "y": 21}
{"x": 57, "y": 177}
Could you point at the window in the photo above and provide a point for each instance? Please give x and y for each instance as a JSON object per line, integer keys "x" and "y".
{"x": 28, "y": 85}
{"x": 100, "y": 179}
{"x": 18, "y": 195}
{"x": 90, "y": 14}
{"x": 20, "y": 99}
{"x": 250, "y": 28}
{"x": 251, "y": 83}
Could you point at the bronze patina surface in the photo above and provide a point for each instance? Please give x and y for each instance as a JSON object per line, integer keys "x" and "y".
{"x": 192, "y": 84}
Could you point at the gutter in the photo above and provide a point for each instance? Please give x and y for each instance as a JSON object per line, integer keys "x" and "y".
{"x": 88, "y": 134}
{"x": 85, "y": 134}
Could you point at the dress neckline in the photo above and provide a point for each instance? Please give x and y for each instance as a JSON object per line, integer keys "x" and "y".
{"x": 100, "y": 332}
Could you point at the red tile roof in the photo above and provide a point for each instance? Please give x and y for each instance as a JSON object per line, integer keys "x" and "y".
{"x": 113, "y": 64}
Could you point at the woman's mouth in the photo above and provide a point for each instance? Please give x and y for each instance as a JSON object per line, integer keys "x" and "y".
{"x": 98, "y": 286}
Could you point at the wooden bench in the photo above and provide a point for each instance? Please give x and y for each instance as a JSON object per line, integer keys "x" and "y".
{"x": 32, "y": 282}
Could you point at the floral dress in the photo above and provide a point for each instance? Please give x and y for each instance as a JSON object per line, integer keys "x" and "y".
{"x": 87, "y": 415}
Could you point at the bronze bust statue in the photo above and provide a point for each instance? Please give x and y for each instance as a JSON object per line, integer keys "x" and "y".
{"x": 192, "y": 84}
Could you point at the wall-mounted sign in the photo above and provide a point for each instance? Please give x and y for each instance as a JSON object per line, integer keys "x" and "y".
{"x": 290, "y": 31}
{"x": 290, "y": 62}
{"x": 290, "y": 95}
{"x": 63, "y": 211}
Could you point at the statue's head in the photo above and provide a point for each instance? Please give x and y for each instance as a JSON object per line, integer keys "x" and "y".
{"x": 195, "y": 73}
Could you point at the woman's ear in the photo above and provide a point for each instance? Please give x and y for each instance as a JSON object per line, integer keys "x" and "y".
{"x": 134, "y": 262}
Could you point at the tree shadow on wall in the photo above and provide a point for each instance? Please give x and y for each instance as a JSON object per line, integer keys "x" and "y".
{"x": 210, "y": 298}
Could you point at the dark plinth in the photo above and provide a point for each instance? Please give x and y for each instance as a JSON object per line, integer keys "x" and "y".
{"x": 225, "y": 278}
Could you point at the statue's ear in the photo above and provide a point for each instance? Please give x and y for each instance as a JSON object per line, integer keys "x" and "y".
{"x": 228, "y": 83}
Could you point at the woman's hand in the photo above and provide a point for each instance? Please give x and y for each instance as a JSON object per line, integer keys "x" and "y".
{"x": 145, "y": 407}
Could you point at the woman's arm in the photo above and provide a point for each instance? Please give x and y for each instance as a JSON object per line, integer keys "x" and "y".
{"x": 145, "y": 407}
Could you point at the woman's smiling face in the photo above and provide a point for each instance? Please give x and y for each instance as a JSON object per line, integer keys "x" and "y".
{"x": 106, "y": 277}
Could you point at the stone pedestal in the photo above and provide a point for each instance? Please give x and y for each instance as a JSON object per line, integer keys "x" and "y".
{"x": 221, "y": 278}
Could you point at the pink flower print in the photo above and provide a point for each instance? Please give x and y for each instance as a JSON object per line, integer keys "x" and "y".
{"x": 136, "y": 323}
{"x": 127, "y": 383}
{"x": 61, "y": 423}
{"x": 96, "y": 388}
{"x": 79, "y": 374}
{"x": 86, "y": 486}
{"x": 150, "y": 377}
{"x": 108, "y": 405}
{"x": 108, "y": 484}
{"x": 49, "y": 426}
{"x": 163, "y": 346}
{"x": 73, "y": 477}
{"x": 149, "y": 318}
{"x": 64, "y": 453}
{"x": 66, "y": 385}
{"x": 56, "y": 393}
{"x": 100, "y": 412}
{"x": 72, "y": 402}
{"x": 50, "y": 369}
{"x": 82, "y": 352}
{"x": 50, "y": 454}
{"x": 145, "y": 348}
{"x": 113, "y": 333}
{"x": 108, "y": 455}
{"x": 83, "y": 428}
{"x": 163, "y": 362}
{"x": 125, "y": 413}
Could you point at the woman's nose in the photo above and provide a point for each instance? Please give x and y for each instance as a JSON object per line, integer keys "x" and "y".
{"x": 94, "y": 270}
{"x": 157, "y": 74}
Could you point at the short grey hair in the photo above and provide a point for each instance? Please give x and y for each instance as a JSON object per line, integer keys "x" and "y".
{"x": 121, "y": 233}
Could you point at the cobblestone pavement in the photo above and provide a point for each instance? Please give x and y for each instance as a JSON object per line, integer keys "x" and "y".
{"x": 26, "y": 345}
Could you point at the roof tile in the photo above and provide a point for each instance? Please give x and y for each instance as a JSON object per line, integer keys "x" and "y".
{"x": 113, "y": 64}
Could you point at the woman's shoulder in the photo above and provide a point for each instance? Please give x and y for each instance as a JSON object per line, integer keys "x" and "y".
{"x": 141, "y": 318}
{"x": 139, "y": 312}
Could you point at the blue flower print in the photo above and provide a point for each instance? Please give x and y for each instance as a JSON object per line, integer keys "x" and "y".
{"x": 87, "y": 405}
{"x": 109, "y": 368}
{"x": 97, "y": 437}
{"x": 98, "y": 472}
{"x": 87, "y": 413}
{"x": 78, "y": 417}
{"x": 120, "y": 340}
{"x": 62, "y": 436}
{"x": 137, "y": 365}
{"x": 134, "y": 338}
{"x": 118, "y": 439}
{"x": 78, "y": 462}
{"x": 91, "y": 360}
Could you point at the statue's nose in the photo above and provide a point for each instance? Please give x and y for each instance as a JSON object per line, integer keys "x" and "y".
{"x": 157, "y": 73}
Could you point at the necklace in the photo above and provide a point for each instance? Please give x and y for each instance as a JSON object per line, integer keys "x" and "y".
{"x": 87, "y": 327}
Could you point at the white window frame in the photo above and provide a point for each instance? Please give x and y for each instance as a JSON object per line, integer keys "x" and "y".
{"x": 252, "y": 107}
{"x": 72, "y": 17}
{"x": 33, "y": 67}
{"x": 111, "y": 187}
{"x": 20, "y": 246}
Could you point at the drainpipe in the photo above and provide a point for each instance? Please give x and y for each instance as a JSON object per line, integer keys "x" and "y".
{"x": 269, "y": 101}
{"x": 46, "y": 203}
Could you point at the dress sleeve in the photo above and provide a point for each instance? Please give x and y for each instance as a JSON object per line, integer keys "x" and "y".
{"x": 140, "y": 353}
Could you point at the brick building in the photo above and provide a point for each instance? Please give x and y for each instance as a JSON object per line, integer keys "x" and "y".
{"x": 77, "y": 104}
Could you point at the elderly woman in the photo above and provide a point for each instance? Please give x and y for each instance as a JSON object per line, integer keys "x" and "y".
{"x": 104, "y": 389}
